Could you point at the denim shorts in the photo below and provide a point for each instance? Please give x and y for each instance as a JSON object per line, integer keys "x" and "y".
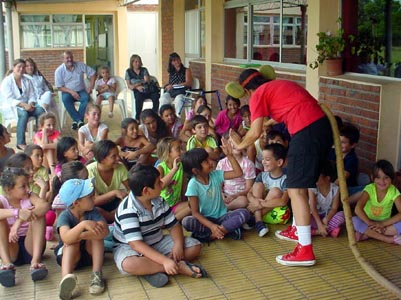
{"x": 164, "y": 246}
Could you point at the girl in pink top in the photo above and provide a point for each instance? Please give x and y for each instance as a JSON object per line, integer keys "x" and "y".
{"x": 229, "y": 117}
{"x": 235, "y": 190}
{"x": 47, "y": 138}
{"x": 22, "y": 236}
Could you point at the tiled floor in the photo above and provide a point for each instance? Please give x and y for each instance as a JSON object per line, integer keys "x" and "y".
{"x": 243, "y": 269}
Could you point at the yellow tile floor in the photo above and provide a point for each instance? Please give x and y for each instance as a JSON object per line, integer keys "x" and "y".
{"x": 243, "y": 269}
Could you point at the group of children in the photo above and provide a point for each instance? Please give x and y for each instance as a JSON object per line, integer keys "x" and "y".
{"x": 103, "y": 190}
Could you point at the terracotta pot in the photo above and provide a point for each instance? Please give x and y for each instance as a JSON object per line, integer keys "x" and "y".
{"x": 334, "y": 66}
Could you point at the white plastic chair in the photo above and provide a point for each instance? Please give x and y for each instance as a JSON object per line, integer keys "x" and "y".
{"x": 9, "y": 116}
{"x": 121, "y": 96}
{"x": 133, "y": 109}
{"x": 63, "y": 112}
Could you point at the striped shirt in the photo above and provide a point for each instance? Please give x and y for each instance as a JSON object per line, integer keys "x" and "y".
{"x": 133, "y": 222}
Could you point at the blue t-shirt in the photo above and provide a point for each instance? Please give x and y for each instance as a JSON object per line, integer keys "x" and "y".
{"x": 211, "y": 204}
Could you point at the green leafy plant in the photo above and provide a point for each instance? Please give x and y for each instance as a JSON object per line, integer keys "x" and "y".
{"x": 330, "y": 46}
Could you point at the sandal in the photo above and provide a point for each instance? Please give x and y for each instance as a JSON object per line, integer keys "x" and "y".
{"x": 38, "y": 271}
{"x": 195, "y": 274}
{"x": 7, "y": 275}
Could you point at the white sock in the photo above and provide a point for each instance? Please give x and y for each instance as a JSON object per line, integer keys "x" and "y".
{"x": 293, "y": 221}
{"x": 304, "y": 235}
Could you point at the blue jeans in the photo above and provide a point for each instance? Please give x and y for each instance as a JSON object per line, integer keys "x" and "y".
{"x": 23, "y": 117}
{"x": 68, "y": 101}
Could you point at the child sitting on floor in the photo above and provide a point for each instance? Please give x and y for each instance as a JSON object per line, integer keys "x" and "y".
{"x": 201, "y": 137}
{"x": 172, "y": 176}
{"x": 268, "y": 197}
{"x": 134, "y": 148}
{"x": 373, "y": 210}
{"x": 173, "y": 123}
{"x": 47, "y": 138}
{"x": 324, "y": 201}
{"x": 235, "y": 190}
{"x": 82, "y": 230}
{"x": 22, "y": 227}
{"x": 92, "y": 132}
{"x": 142, "y": 248}
{"x": 210, "y": 218}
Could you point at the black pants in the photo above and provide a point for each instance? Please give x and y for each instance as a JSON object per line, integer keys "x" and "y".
{"x": 141, "y": 97}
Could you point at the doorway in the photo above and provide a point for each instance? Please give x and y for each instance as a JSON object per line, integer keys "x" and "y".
{"x": 99, "y": 41}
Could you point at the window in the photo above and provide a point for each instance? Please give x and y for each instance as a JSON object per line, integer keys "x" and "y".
{"x": 194, "y": 29}
{"x": 272, "y": 30}
{"x": 52, "y": 31}
{"x": 378, "y": 42}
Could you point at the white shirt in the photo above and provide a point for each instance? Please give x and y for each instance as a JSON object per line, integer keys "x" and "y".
{"x": 11, "y": 93}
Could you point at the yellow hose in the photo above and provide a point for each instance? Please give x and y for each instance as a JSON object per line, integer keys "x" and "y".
{"x": 347, "y": 210}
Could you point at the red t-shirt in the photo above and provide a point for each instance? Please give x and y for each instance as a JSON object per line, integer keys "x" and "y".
{"x": 285, "y": 101}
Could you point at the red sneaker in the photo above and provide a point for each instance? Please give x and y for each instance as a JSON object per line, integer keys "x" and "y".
{"x": 302, "y": 256}
{"x": 290, "y": 234}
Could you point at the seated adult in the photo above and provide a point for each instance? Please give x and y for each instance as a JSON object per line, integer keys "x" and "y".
{"x": 138, "y": 80}
{"x": 180, "y": 79}
{"x": 69, "y": 77}
{"x": 19, "y": 91}
{"x": 42, "y": 87}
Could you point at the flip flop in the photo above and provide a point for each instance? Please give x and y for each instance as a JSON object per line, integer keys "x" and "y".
{"x": 7, "y": 275}
{"x": 39, "y": 272}
{"x": 195, "y": 274}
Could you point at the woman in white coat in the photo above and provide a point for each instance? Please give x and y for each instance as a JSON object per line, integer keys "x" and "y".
{"x": 18, "y": 91}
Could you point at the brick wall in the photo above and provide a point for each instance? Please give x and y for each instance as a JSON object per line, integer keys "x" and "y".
{"x": 167, "y": 33}
{"x": 48, "y": 60}
{"x": 358, "y": 104}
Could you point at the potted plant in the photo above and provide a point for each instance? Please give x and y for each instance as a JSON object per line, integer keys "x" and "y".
{"x": 329, "y": 50}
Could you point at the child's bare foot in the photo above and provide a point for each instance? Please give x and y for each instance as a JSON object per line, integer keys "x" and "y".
{"x": 192, "y": 270}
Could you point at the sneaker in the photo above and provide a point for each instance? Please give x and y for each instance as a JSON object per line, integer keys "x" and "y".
{"x": 235, "y": 235}
{"x": 261, "y": 228}
{"x": 110, "y": 114}
{"x": 301, "y": 256}
{"x": 290, "y": 234}
{"x": 157, "y": 280}
{"x": 201, "y": 237}
{"x": 67, "y": 286}
{"x": 74, "y": 126}
{"x": 250, "y": 224}
{"x": 335, "y": 232}
{"x": 96, "y": 285}
{"x": 80, "y": 124}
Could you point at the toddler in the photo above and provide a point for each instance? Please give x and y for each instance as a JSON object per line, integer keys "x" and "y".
{"x": 106, "y": 88}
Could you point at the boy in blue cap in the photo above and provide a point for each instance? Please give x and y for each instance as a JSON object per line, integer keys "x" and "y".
{"x": 82, "y": 230}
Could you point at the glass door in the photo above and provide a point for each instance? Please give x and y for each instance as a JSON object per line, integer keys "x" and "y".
{"x": 99, "y": 43}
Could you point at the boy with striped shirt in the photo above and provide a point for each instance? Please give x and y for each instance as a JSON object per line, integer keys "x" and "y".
{"x": 142, "y": 249}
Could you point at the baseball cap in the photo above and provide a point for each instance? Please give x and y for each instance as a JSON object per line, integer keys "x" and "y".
{"x": 73, "y": 189}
